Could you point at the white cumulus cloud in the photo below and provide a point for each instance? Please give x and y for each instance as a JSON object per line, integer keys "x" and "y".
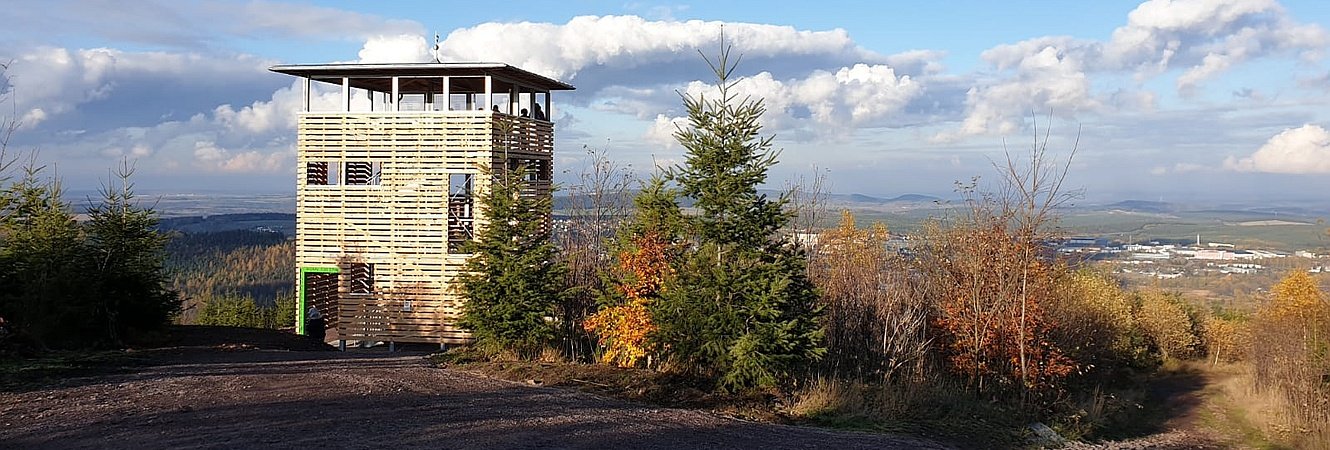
{"x": 213, "y": 158}
{"x": 275, "y": 114}
{"x": 51, "y": 81}
{"x": 1302, "y": 150}
{"x": 1201, "y": 39}
{"x": 817, "y": 106}
{"x": 849, "y": 97}
{"x": 1048, "y": 74}
{"x": 618, "y": 42}
{"x": 1206, "y": 37}
{"x": 401, "y": 48}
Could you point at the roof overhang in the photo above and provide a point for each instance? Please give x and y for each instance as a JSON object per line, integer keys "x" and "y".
{"x": 424, "y": 77}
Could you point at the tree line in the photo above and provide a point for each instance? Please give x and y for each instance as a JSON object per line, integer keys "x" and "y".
{"x": 234, "y": 278}
{"x": 981, "y": 313}
{"x": 115, "y": 276}
{"x": 72, "y": 284}
{"x": 717, "y": 294}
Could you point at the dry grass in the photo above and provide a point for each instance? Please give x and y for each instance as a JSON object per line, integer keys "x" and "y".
{"x": 825, "y": 397}
{"x": 1291, "y": 339}
{"x": 1269, "y": 414}
{"x": 936, "y": 409}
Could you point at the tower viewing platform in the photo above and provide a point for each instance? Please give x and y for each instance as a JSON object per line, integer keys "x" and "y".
{"x": 390, "y": 158}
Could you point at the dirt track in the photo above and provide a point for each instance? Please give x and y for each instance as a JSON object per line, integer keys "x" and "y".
{"x": 211, "y": 398}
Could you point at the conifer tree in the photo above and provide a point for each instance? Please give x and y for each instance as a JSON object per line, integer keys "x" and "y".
{"x": 41, "y": 261}
{"x": 128, "y": 258}
{"x": 512, "y": 281}
{"x": 71, "y": 285}
{"x": 741, "y": 307}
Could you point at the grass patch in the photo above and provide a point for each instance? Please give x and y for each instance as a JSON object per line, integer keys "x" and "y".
{"x": 1234, "y": 421}
{"x": 1251, "y": 419}
{"x": 938, "y": 411}
{"x": 639, "y": 385}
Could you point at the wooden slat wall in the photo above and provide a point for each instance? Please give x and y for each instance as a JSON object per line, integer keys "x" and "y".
{"x": 400, "y": 225}
{"x": 321, "y": 293}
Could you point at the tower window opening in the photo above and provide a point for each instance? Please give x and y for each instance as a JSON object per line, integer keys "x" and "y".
{"x": 321, "y": 173}
{"x": 461, "y": 210}
{"x": 363, "y": 173}
{"x": 361, "y": 278}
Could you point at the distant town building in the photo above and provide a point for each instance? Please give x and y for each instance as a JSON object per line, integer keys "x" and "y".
{"x": 1214, "y": 255}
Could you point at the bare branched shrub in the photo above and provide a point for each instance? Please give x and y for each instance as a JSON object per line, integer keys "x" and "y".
{"x": 8, "y": 126}
{"x": 598, "y": 204}
{"x": 875, "y": 321}
{"x": 808, "y": 203}
{"x": 990, "y": 278}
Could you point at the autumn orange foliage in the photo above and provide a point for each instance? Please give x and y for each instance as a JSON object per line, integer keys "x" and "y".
{"x": 991, "y": 288}
{"x": 646, "y": 266}
{"x": 622, "y": 330}
{"x": 1297, "y": 300}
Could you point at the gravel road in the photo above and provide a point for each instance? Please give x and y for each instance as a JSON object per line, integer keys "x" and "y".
{"x": 213, "y": 398}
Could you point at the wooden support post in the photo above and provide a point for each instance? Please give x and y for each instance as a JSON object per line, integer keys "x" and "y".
{"x": 447, "y": 94}
{"x": 392, "y": 347}
{"x": 549, "y": 113}
{"x": 396, "y": 101}
{"x": 346, "y": 94}
{"x": 304, "y": 89}
{"x": 489, "y": 92}
{"x": 341, "y": 344}
{"x": 514, "y": 99}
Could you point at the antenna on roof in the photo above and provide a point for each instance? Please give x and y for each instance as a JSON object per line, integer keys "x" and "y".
{"x": 438, "y": 46}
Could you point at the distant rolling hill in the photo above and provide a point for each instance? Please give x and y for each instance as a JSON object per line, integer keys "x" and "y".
{"x": 564, "y": 201}
{"x": 273, "y": 222}
{"x": 1142, "y": 206}
{"x": 861, "y": 198}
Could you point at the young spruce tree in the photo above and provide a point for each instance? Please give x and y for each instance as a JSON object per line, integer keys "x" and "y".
{"x": 513, "y": 281}
{"x": 41, "y": 262}
{"x": 128, "y": 260}
{"x": 741, "y": 307}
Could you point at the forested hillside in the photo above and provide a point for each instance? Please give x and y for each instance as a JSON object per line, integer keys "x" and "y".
{"x": 235, "y": 277}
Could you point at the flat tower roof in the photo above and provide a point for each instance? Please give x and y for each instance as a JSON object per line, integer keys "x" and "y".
{"x": 377, "y": 77}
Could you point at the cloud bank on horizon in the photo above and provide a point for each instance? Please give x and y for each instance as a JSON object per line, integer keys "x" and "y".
{"x": 1179, "y": 88}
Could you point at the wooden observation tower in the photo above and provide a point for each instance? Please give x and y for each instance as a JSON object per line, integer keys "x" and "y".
{"x": 389, "y": 160}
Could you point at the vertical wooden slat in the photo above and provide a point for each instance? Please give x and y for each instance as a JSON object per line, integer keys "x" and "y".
{"x": 447, "y": 94}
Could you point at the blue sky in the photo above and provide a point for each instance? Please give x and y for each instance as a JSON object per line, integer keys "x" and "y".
{"x": 1174, "y": 100}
